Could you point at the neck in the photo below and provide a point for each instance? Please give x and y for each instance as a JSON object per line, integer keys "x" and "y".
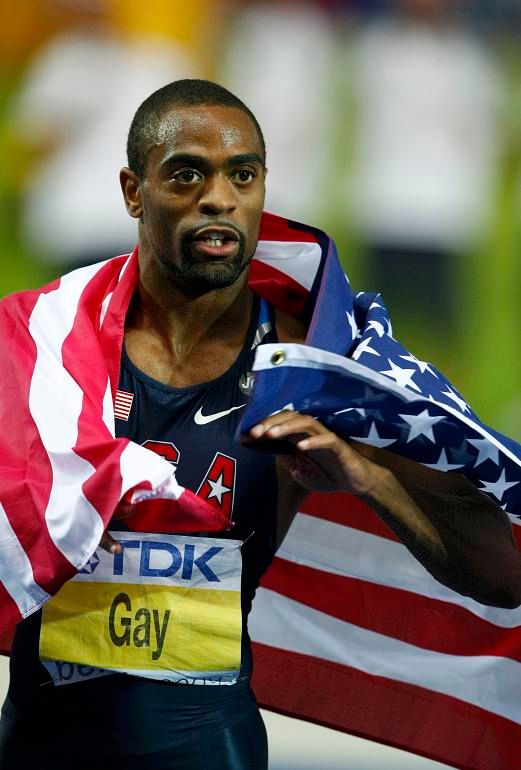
{"x": 181, "y": 322}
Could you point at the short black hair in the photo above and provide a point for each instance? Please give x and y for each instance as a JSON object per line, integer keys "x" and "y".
{"x": 144, "y": 129}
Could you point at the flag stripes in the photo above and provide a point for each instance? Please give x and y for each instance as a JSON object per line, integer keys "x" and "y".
{"x": 123, "y": 405}
{"x": 16, "y": 574}
{"x": 487, "y": 681}
{"x": 402, "y": 715}
{"x": 411, "y": 617}
{"x": 343, "y": 550}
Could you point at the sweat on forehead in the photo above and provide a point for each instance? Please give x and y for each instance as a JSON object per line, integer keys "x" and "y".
{"x": 159, "y": 117}
{"x": 169, "y": 126}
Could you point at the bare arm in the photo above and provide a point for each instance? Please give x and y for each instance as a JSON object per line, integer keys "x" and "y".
{"x": 459, "y": 534}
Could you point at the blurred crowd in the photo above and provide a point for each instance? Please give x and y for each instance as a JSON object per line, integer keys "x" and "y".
{"x": 393, "y": 124}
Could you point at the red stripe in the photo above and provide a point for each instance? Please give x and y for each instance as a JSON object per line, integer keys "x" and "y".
{"x": 113, "y": 328}
{"x": 10, "y": 616}
{"x": 83, "y": 359}
{"x": 188, "y": 514}
{"x": 278, "y": 288}
{"x": 424, "y": 622}
{"x": 401, "y": 715}
{"x": 348, "y": 510}
{"x": 27, "y": 474}
{"x": 516, "y": 530}
{"x": 275, "y": 228}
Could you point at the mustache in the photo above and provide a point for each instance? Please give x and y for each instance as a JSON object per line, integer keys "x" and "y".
{"x": 192, "y": 232}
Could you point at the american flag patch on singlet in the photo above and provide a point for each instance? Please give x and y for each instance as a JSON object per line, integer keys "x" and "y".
{"x": 123, "y": 404}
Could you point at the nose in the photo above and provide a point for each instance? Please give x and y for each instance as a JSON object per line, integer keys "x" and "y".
{"x": 218, "y": 195}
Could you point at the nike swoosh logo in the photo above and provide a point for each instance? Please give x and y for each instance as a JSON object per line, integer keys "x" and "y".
{"x": 203, "y": 419}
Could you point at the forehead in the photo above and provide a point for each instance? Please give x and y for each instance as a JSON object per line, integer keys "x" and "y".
{"x": 206, "y": 129}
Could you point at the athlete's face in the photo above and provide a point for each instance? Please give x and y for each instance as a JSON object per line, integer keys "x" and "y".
{"x": 201, "y": 198}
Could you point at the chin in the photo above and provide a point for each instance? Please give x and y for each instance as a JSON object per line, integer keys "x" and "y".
{"x": 218, "y": 276}
{"x": 199, "y": 279}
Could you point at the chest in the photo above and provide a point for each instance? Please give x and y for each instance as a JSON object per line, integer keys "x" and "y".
{"x": 178, "y": 368}
{"x": 195, "y": 429}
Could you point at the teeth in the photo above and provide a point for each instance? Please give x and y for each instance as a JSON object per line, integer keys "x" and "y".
{"x": 214, "y": 241}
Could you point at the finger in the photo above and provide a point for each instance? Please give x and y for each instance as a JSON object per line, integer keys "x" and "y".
{"x": 327, "y": 440}
{"x": 272, "y": 420}
{"x": 287, "y": 424}
{"x": 108, "y": 543}
{"x": 296, "y": 430}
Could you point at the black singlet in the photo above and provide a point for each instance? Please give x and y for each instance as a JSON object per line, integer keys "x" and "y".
{"x": 130, "y": 721}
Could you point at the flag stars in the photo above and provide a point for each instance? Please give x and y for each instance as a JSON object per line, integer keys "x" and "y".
{"x": 360, "y": 412}
{"x": 369, "y": 396}
{"x": 374, "y": 439}
{"x": 365, "y": 347}
{"x": 443, "y": 463}
{"x": 377, "y": 327}
{"x": 352, "y": 323}
{"x": 420, "y": 425}
{"x": 402, "y": 377}
{"x": 460, "y": 402}
{"x": 423, "y": 366}
{"x": 499, "y": 487}
{"x": 486, "y": 450}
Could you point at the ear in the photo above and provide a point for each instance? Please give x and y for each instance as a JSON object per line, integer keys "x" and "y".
{"x": 131, "y": 187}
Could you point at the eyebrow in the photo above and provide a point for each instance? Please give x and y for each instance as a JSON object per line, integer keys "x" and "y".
{"x": 201, "y": 162}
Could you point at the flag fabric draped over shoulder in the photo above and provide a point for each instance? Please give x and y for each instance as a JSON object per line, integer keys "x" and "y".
{"x": 62, "y": 472}
{"x": 348, "y": 629}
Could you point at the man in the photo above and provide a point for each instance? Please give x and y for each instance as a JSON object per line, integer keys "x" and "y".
{"x": 195, "y": 183}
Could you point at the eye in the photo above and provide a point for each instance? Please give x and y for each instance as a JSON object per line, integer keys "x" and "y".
{"x": 244, "y": 175}
{"x": 187, "y": 176}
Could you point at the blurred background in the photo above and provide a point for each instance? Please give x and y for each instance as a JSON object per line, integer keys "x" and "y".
{"x": 395, "y": 125}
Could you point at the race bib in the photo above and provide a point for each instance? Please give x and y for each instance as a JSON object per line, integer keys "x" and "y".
{"x": 168, "y": 607}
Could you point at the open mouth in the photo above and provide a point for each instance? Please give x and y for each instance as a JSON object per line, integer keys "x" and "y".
{"x": 215, "y": 243}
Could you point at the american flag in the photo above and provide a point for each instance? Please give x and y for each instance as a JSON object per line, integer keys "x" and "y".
{"x": 348, "y": 629}
{"x": 123, "y": 405}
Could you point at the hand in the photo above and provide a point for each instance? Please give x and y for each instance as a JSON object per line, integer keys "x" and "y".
{"x": 108, "y": 543}
{"x": 321, "y": 460}
{"x": 123, "y": 511}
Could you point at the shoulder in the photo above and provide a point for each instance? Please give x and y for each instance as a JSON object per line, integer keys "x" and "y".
{"x": 289, "y": 329}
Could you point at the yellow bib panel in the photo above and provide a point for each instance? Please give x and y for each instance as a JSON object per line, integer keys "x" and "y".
{"x": 168, "y": 607}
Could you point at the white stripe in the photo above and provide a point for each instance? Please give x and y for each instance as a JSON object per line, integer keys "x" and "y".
{"x": 124, "y": 397}
{"x": 138, "y": 464}
{"x": 16, "y": 572}
{"x": 125, "y": 266}
{"x": 55, "y": 403}
{"x": 299, "y": 260}
{"x": 108, "y": 409}
{"x": 104, "y": 307}
{"x": 489, "y": 682}
{"x": 106, "y": 302}
{"x": 307, "y": 357}
{"x": 123, "y": 404}
{"x": 342, "y": 550}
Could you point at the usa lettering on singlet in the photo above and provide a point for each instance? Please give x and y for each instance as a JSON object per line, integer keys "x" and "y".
{"x": 175, "y": 607}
